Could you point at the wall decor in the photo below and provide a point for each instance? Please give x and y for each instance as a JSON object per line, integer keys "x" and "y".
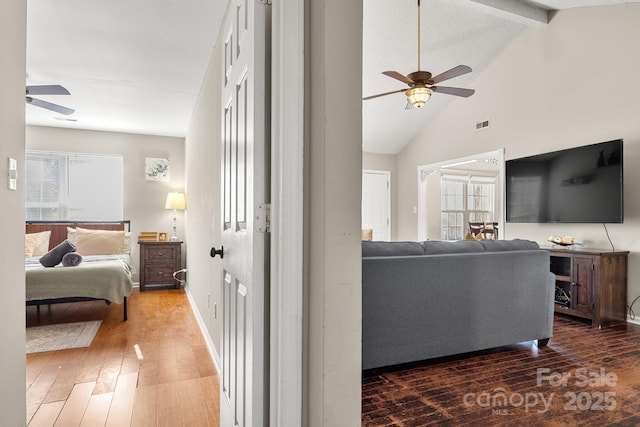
{"x": 156, "y": 169}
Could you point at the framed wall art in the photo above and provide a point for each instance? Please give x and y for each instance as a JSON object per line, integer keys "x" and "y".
{"x": 156, "y": 169}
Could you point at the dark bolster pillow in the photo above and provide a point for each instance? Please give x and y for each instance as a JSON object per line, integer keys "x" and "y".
{"x": 379, "y": 248}
{"x": 54, "y": 256}
{"x": 71, "y": 259}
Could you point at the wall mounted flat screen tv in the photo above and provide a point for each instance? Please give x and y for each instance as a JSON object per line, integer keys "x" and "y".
{"x": 577, "y": 185}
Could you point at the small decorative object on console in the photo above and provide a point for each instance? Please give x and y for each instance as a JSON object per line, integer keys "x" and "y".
{"x": 564, "y": 240}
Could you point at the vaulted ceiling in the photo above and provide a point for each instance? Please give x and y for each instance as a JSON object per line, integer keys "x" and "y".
{"x": 137, "y": 66}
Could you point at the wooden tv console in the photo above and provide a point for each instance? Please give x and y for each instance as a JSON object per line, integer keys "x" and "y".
{"x": 594, "y": 281}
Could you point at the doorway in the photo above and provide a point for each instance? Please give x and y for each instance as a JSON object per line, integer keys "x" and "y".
{"x": 376, "y": 203}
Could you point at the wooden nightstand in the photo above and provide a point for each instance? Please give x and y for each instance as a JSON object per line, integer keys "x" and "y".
{"x": 158, "y": 262}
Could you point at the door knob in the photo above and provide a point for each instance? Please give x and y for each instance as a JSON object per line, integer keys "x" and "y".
{"x": 215, "y": 252}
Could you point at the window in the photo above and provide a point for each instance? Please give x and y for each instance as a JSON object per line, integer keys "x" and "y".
{"x": 71, "y": 186}
{"x": 465, "y": 199}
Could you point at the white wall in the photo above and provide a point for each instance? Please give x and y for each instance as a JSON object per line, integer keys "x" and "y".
{"x": 203, "y": 186}
{"x": 13, "y": 29}
{"x": 143, "y": 200}
{"x": 573, "y": 82}
{"x": 385, "y": 162}
{"x": 334, "y": 193}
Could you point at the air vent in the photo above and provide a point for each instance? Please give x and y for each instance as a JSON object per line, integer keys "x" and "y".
{"x": 482, "y": 124}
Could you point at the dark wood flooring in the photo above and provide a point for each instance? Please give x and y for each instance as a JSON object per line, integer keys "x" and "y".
{"x": 584, "y": 377}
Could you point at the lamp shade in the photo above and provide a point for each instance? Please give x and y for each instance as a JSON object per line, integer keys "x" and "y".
{"x": 418, "y": 96}
{"x": 175, "y": 200}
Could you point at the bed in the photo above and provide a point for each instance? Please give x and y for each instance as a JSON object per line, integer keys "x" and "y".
{"x": 104, "y": 273}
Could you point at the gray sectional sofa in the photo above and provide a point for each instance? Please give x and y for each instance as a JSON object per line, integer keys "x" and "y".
{"x": 422, "y": 300}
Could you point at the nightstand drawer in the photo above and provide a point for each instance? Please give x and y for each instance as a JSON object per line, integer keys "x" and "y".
{"x": 160, "y": 254}
{"x": 160, "y": 274}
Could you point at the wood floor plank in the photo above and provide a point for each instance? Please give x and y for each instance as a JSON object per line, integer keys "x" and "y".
{"x": 169, "y": 412}
{"x": 192, "y": 403}
{"x": 446, "y": 391}
{"x": 123, "y": 401}
{"x": 145, "y": 410}
{"x": 210, "y": 387}
{"x": 47, "y": 414}
{"x": 40, "y": 388}
{"x": 67, "y": 378}
{"x": 97, "y": 410}
{"x": 171, "y": 348}
{"x": 76, "y": 404}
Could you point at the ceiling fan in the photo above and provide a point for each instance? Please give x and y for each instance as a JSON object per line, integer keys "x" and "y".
{"x": 48, "y": 90}
{"x": 421, "y": 82}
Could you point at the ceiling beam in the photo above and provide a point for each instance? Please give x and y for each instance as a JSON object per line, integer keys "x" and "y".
{"x": 513, "y": 11}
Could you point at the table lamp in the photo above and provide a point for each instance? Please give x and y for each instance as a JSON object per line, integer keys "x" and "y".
{"x": 175, "y": 201}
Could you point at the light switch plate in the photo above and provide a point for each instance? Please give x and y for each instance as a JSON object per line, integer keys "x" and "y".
{"x": 13, "y": 174}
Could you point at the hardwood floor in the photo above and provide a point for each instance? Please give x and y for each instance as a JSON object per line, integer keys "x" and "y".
{"x": 585, "y": 376}
{"x": 152, "y": 370}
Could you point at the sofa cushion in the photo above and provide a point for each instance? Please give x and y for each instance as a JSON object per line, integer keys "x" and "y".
{"x": 376, "y": 248}
{"x": 509, "y": 245}
{"x": 436, "y": 247}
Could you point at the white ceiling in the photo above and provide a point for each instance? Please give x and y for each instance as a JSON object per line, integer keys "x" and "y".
{"x": 137, "y": 66}
{"x": 131, "y": 66}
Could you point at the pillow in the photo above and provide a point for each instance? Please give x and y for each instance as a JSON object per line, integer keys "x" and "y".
{"x": 470, "y": 236}
{"x": 55, "y": 255}
{"x": 36, "y": 244}
{"x": 100, "y": 242}
{"x": 71, "y": 259}
{"x": 367, "y": 234}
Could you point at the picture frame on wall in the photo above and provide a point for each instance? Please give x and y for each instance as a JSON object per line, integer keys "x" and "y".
{"x": 156, "y": 169}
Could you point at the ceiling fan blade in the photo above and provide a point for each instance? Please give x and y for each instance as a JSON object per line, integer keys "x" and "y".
{"x": 449, "y": 74}
{"x": 49, "y": 106}
{"x": 384, "y": 94}
{"x": 396, "y": 75}
{"x": 457, "y": 91}
{"x": 47, "y": 90}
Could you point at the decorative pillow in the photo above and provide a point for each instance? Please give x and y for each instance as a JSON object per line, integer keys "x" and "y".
{"x": 71, "y": 259}
{"x": 36, "y": 244}
{"x": 470, "y": 236}
{"x": 100, "y": 242}
{"x": 55, "y": 255}
{"x": 367, "y": 234}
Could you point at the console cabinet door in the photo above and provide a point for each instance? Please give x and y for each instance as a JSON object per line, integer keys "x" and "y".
{"x": 582, "y": 285}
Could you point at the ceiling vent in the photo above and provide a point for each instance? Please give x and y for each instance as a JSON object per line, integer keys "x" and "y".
{"x": 482, "y": 124}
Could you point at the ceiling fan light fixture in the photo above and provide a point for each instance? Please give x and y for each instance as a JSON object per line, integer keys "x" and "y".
{"x": 418, "y": 96}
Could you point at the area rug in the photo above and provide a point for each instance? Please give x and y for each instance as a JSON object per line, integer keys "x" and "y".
{"x": 62, "y": 336}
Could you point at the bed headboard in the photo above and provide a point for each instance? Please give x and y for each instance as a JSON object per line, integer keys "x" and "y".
{"x": 59, "y": 228}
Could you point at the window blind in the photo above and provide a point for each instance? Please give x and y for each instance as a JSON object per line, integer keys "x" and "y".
{"x": 73, "y": 186}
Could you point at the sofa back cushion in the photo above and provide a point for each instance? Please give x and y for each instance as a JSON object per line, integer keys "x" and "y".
{"x": 377, "y": 249}
{"x": 435, "y": 247}
{"x": 508, "y": 245}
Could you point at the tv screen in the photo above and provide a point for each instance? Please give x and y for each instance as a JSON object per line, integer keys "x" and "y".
{"x": 577, "y": 185}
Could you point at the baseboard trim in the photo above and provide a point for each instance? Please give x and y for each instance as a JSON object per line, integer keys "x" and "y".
{"x": 203, "y": 328}
{"x": 635, "y": 321}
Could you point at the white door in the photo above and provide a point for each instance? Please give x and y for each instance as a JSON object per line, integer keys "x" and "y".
{"x": 245, "y": 180}
{"x": 376, "y": 213}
